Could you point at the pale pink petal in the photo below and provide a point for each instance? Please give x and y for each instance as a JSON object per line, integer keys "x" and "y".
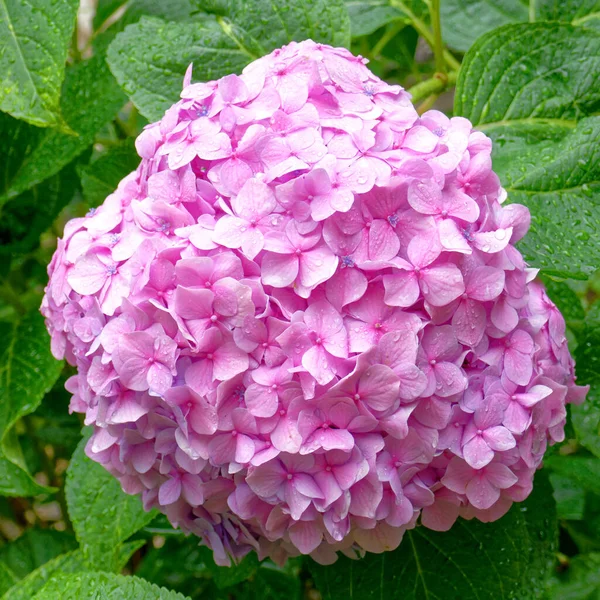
{"x": 346, "y": 286}
{"x": 316, "y": 361}
{"x": 305, "y": 535}
{"x": 481, "y": 492}
{"x": 469, "y": 322}
{"x": 378, "y": 387}
{"x": 485, "y": 283}
{"x": 317, "y": 266}
{"x": 230, "y": 231}
{"x": 499, "y": 438}
{"x": 477, "y": 453}
{"x": 401, "y": 289}
{"x": 229, "y": 360}
{"x": 169, "y": 491}
{"x": 425, "y": 198}
{"x": 500, "y": 476}
{"x": 88, "y": 275}
{"x": 441, "y": 284}
{"x": 518, "y": 366}
{"x": 279, "y": 270}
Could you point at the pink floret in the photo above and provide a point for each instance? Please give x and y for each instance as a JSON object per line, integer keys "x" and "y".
{"x": 302, "y": 325}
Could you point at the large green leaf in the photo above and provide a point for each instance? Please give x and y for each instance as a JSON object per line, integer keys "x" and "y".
{"x": 559, "y": 181}
{"x": 273, "y": 24}
{"x": 366, "y": 16}
{"x": 27, "y": 371}
{"x": 530, "y": 73}
{"x": 34, "y": 41}
{"x": 94, "y": 586}
{"x": 463, "y": 21}
{"x": 90, "y": 98}
{"x": 70, "y": 562}
{"x": 569, "y": 497}
{"x": 583, "y": 470}
{"x": 102, "y": 514}
{"x": 530, "y": 87}
{"x": 587, "y": 355}
{"x": 149, "y": 58}
{"x": 504, "y": 560}
{"x": 579, "y": 12}
{"x": 7, "y": 578}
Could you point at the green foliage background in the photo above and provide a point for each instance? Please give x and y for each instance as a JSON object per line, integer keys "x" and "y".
{"x": 72, "y": 100}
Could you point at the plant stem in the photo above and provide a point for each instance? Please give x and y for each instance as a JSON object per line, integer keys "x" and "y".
{"x": 391, "y": 31}
{"x": 438, "y": 44}
{"x": 436, "y": 85}
{"x": 427, "y": 103}
{"x": 425, "y": 32}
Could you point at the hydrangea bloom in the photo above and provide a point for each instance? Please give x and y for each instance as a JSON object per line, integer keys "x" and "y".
{"x": 301, "y": 326}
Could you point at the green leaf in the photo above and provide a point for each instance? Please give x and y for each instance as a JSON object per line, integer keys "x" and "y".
{"x": 225, "y": 577}
{"x": 507, "y": 559}
{"x": 34, "y": 42}
{"x": 528, "y": 86}
{"x": 35, "y": 548}
{"x": 584, "y": 471}
{"x": 101, "y": 177}
{"x": 7, "y": 578}
{"x": 273, "y": 583}
{"x": 586, "y": 422}
{"x": 149, "y": 59}
{"x": 587, "y": 356}
{"x": 580, "y": 581}
{"x": 578, "y": 12}
{"x": 273, "y": 24}
{"x": 27, "y": 216}
{"x": 570, "y": 499}
{"x": 530, "y": 73}
{"x": 93, "y": 586}
{"x": 559, "y": 181}
{"x": 463, "y": 21}
{"x": 367, "y": 16}
{"x": 27, "y": 371}
{"x": 90, "y": 98}
{"x": 71, "y": 562}
{"x": 102, "y": 514}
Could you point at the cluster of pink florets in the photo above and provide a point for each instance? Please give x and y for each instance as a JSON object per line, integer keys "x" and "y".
{"x": 302, "y": 323}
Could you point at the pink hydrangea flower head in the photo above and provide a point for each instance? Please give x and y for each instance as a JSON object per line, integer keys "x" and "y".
{"x": 301, "y": 326}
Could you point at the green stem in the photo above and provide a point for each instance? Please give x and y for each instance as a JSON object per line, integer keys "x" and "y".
{"x": 531, "y": 11}
{"x": 436, "y": 85}
{"x": 425, "y": 32}
{"x": 390, "y": 33}
{"x": 427, "y": 103}
{"x": 438, "y": 44}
